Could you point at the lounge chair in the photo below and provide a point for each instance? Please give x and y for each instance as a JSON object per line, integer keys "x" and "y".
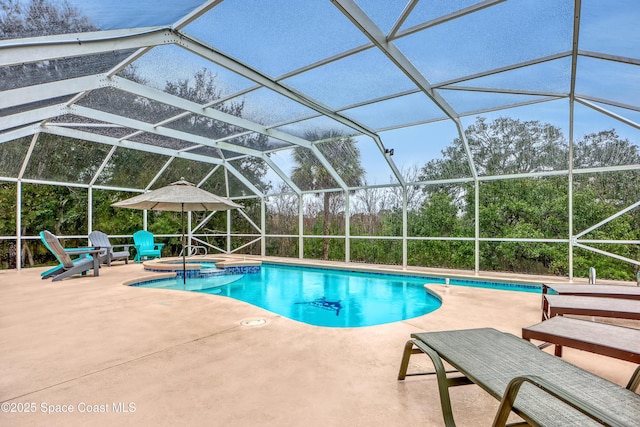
{"x": 80, "y": 265}
{"x": 605, "y": 291}
{"x": 560, "y": 305}
{"x": 539, "y": 387}
{"x": 595, "y": 337}
{"x": 145, "y": 246}
{"x": 100, "y": 240}
{"x": 59, "y": 268}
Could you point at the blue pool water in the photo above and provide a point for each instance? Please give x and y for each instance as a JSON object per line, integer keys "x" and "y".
{"x": 326, "y": 297}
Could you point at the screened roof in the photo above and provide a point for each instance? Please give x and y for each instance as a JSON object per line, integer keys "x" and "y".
{"x": 211, "y": 86}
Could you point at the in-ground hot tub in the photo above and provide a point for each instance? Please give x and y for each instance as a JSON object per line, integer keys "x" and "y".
{"x": 203, "y": 267}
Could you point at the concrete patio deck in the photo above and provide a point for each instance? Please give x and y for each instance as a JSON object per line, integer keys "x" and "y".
{"x": 109, "y": 354}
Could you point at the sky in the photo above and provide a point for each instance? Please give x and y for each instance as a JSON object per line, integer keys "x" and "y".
{"x": 278, "y": 36}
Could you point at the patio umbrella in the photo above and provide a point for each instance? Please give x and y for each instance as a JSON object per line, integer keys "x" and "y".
{"x": 180, "y": 196}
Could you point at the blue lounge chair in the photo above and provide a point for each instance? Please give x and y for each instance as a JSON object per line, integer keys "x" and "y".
{"x": 88, "y": 259}
{"x": 145, "y": 246}
{"x": 100, "y": 240}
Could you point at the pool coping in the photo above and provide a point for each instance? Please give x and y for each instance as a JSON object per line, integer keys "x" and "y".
{"x": 529, "y": 284}
{"x": 253, "y": 260}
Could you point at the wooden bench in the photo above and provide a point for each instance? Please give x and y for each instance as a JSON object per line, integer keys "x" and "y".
{"x": 539, "y": 387}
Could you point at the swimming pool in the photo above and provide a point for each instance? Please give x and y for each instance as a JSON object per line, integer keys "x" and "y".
{"x": 327, "y": 297}
{"x": 319, "y": 297}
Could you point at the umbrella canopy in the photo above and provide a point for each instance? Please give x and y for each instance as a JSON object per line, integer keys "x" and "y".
{"x": 180, "y": 196}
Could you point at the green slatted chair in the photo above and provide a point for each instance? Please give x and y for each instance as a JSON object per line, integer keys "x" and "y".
{"x": 145, "y": 246}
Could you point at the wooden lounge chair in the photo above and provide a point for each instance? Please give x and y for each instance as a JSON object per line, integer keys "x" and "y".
{"x": 100, "y": 240}
{"x": 70, "y": 267}
{"x": 145, "y": 246}
{"x": 542, "y": 389}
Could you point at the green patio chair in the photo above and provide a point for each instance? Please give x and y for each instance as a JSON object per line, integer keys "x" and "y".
{"x": 145, "y": 246}
{"x": 88, "y": 258}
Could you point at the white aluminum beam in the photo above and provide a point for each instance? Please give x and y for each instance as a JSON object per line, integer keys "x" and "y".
{"x": 281, "y": 174}
{"x": 56, "y": 183}
{"x": 17, "y": 134}
{"x": 608, "y": 102}
{"x": 25, "y": 95}
{"x": 253, "y": 224}
{"x": 210, "y": 54}
{"x": 572, "y": 98}
{"x": 195, "y": 108}
{"x": 608, "y": 57}
{"x": 230, "y": 168}
{"x": 207, "y": 176}
{"x": 19, "y": 225}
{"x": 263, "y": 227}
{"x": 207, "y": 52}
{"x": 469, "y": 113}
{"x": 204, "y": 221}
{"x": 149, "y": 128}
{"x": 72, "y": 133}
{"x": 319, "y": 63}
{"x": 403, "y": 17}
{"x": 27, "y": 157}
{"x": 608, "y": 113}
{"x": 196, "y": 13}
{"x": 617, "y": 168}
{"x": 609, "y": 254}
{"x": 36, "y": 49}
{"x": 609, "y": 219}
{"x": 503, "y": 69}
{"x": 124, "y": 64}
{"x": 352, "y": 11}
{"x": 160, "y": 172}
{"x": 323, "y": 160}
{"x": 612, "y": 242}
{"x": 506, "y": 91}
{"x": 32, "y": 116}
{"x": 139, "y": 146}
{"x": 448, "y": 17}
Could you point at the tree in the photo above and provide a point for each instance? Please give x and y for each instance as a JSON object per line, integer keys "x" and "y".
{"x": 535, "y": 207}
{"x": 40, "y": 17}
{"x": 604, "y": 148}
{"x": 310, "y": 174}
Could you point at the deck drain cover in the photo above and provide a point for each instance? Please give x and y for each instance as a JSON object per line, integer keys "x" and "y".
{"x": 253, "y": 322}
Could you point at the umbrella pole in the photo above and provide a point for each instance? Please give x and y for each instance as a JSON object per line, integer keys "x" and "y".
{"x": 184, "y": 255}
